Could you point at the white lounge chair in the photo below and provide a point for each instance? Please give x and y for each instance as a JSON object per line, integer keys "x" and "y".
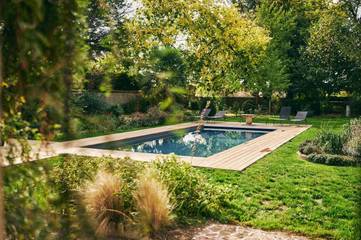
{"x": 204, "y": 114}
{"x": 218, "y": 115}
{"x": 300, "y": 116}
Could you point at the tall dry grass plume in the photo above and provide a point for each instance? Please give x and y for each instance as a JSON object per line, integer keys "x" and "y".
{"x": 104, "y": 203}
{"x": 152, "y": 202}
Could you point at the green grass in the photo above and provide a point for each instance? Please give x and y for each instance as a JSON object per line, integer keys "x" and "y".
{"x": 283, "y": 192}
{"x": 280, "y": 191}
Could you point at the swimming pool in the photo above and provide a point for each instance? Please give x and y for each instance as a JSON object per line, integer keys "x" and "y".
{"x": 187, "y": 142}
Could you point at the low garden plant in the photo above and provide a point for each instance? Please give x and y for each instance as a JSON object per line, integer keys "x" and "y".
{"x": 152, "y": 201}
{"x": 105, "y": 118}
{"x": 113, "y": 197}
{"x": 104, "y": 203}
{"x": 335, "y": 148}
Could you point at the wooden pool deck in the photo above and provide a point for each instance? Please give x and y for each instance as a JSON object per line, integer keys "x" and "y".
{"x": 236, "y": 158}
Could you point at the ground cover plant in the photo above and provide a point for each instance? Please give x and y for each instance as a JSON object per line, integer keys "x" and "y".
{"x": 281, "y": 191}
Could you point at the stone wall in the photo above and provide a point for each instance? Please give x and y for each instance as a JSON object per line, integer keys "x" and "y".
{"x": 122, "y": 97}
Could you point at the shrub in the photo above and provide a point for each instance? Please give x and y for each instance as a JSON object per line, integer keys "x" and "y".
{"x": 116, "y": 110}
{"x": 309, "y": 147}
{"x": 131, "y": 107}
{"x": 155, "y": 116}
{"x": 353, "y": 146}
{"x": 152, "y": 118}
{"x": 92, "y": 103}
{"x": 136, "y": 119}
{"x": 336, "y": 148}
{"x": 71, "y": 172}
{"x": 104, "y": 204}
{"x": 330, "y": 142}
{"x": 96, "y": 123}
{"x": 352, "y": 133}
{"x": 152, "y": 202}
{"x": 332, "y": 159}
{"x": 30, "y": 198}
{"x": 127, "y": 170}
{"x": 189, "y": 115}
{"x": 190, "y": 191}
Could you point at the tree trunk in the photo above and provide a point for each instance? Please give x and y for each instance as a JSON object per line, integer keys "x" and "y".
{"x": 69, "y": 26}
{"x": 69, "y": 21}
{"x": 2, "y": 201}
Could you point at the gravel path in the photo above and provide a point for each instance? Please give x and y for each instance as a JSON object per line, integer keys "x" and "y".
{"x": 229, "y": 232}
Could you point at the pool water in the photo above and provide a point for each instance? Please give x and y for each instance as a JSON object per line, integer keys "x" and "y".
{"x": 186, "y": 142}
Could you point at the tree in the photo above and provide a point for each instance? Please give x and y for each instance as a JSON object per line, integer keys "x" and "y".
{"x": 272, "y": 74}
{"x": 270, "y": 78}
{"x": 353, "y": 7}
{"x": 105, "y": 24}
{"x": 289, "y": 22}
{"x": 219, "y": 44}
{"x": 246, "y": 5}
{"x": 164, "y": 76}
{"x": 333, "y": 67}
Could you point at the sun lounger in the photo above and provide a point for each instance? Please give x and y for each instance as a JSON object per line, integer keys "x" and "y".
{"x": 218, "y": 115}
{"x": 204, "y": 114}
{"x": 285, "y": 114}
{"x": 300, "y": 116}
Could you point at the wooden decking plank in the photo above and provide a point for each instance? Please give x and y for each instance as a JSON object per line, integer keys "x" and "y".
{"x": 238, "y": 153}
{"x": 240, "y": 164}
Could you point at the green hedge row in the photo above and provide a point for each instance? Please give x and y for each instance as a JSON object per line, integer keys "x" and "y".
{"x": 333, "y": 159}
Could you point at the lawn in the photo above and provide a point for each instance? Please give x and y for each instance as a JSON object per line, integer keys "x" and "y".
{"x": 280, "y": 191}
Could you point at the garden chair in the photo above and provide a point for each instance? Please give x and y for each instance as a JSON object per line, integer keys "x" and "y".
{"x": 285, "y": 114}
{"x": 300, "y": 116}
{"x": 205, "y": 112}
{"x": 218, "y": 115}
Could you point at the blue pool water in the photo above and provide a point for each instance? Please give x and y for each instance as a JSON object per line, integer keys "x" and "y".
{"x": 186, "y": 142}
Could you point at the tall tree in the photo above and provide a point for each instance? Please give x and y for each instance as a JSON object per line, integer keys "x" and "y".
{"x": 246, "y": 5}
{"x": 220, "y": 45}
{"x": 164, "y": 77}
{"x": 105, "y": 24}
{"x": 289, "y": 22}
{"x": 271, "y": 76}
{"x": 333, "y": 67}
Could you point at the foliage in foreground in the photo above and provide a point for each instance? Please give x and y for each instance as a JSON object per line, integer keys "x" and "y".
{"x": 192, "y": 195}
{"x": 104, "y": 204}
{"x": 152, "y": 202}
{"x": 112, "y": 197}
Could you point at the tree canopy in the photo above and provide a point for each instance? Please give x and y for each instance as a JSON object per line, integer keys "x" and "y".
{"x": 333, "y": 66}
{"x": 220, "y": 45}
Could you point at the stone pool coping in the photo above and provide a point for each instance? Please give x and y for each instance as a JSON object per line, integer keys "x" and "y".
{"x": 236, "y": 158}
